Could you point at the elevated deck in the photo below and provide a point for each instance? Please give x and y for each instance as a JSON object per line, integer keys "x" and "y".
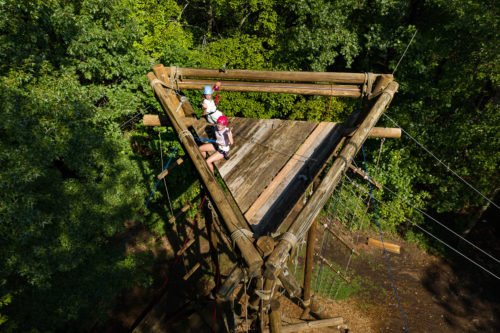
{"x": 272, "y": 162}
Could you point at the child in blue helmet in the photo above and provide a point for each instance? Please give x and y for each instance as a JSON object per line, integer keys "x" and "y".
{"x": 209, "y": 107}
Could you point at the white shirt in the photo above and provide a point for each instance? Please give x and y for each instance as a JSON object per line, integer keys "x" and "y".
{"x": 222, "y": 139}
{"x": 212, "y": 113}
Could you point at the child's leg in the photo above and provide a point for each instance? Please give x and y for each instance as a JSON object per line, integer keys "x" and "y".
{"x": 214, "y": 157}
{"x": 206, "y": 147}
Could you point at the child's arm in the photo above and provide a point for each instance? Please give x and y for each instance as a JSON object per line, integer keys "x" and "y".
{"x": 230, "y": 136}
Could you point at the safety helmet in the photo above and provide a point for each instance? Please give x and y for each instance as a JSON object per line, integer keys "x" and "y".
{"x": 222, "y": 120}
{"x": 207, "y": 90}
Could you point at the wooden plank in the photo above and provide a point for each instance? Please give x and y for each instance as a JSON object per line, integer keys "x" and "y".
{"x": 310, "y": 325}
{"x": 356, "y": 78}
{"x": 191, "y": 271}
{"x": 273, "y": 87}
{"x": 390, "y": 247}
{"x": 264, "y": 196}
{"x": 170, "y": 168}
{"x": 289, "y": 191}
{"x": 254, "y": 170}
{"x": 299, "y": 227}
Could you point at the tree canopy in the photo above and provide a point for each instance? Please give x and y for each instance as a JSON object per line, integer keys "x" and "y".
{"x": 73, "y": 74}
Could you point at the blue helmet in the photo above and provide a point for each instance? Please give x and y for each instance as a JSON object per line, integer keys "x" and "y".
{"x": 207, "y": 90}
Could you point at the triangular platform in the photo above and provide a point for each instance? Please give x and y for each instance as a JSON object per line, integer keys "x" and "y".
{"x": 272, "y": 162}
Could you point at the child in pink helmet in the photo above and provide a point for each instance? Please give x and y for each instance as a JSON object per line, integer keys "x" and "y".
{"x": 223, "y": 139}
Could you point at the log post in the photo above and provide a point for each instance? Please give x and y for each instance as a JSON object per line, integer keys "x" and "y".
{"x": 234, "y": 222}
{"x": 311, "y": 242}
{"x": 275, "y": 317}
{"x": 379, "y": 132}
{"x": 299, "y": 227}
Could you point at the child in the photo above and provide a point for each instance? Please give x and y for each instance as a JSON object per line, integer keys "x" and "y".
{"x": 209, "y": 107}
{"x": 223, "y": 138}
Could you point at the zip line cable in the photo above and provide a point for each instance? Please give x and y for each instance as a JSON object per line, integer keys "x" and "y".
{"x": 441, "y": 162}
{"x": 382, "y": 239}
{"x": 423, "y": 212}
{"x": 422, "y": 229}
{"x": 404, "y": 53}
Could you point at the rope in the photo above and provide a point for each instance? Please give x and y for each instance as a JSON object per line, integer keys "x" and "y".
{"x": 203, "y": 139}
{"x": 382, "y": 239}
{"x": 290, "y": 238}
{"x": 185, "y": 133}
{"x": 240, "y": 233}
{"x": 442, "y": 163}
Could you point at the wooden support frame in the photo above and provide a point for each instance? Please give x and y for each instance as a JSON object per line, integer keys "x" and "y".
{"x": 230, "y": 214}
{"x": 302, "y": 223}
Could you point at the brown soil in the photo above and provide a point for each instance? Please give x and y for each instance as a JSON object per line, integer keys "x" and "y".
{"x": 435, "y": 295}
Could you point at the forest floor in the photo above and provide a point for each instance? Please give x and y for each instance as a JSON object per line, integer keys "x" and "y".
{"x": 435, "y": 295}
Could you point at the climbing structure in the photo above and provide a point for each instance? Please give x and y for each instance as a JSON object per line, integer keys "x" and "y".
{"x": 273, "y": 164}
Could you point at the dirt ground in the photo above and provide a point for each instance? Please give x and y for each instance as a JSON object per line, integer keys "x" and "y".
{"x": 435, "y": 295}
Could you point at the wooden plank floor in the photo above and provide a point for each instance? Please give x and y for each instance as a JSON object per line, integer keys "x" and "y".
{"x": 264, "y": 147}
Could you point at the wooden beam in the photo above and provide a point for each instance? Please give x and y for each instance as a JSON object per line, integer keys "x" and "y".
{"x": 352, "y": 78}
{"x": 264, "y": 196}
{"x": 231, "y": 282}
{"x": 350, "y": 246}
{"x": 275, "y": 317}
{"x": 310, "y": 325}
{"x": 170, "y": 168}
{"x": 289, "y": 283}
{"x": 227, "y": 208}
{"x": 309, "y": 261}
{"x": 365, "y": 176}
{"x": 305, "y": 218}
{"x": 389, "y": 247}
{"x": 184, "y": 249}
{"x": 191, "y": 271}
{"x": 272, "y": 87}
{"x": 339, "y": 273}
{"x": 379, "y": 132}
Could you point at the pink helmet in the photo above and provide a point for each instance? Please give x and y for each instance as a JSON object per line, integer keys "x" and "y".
{"x": 222, "y": 120}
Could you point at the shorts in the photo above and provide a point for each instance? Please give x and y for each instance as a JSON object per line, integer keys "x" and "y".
{"x": 220, "y": 151}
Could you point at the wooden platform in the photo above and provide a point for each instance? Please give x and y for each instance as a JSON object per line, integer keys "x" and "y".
{"x": 271, "y": 164}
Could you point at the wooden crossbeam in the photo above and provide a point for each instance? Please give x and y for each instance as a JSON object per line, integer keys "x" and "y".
{"x": 272, "y": 87}
{"x": 339, "y": 273}
{"x": 241, "y": 74}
